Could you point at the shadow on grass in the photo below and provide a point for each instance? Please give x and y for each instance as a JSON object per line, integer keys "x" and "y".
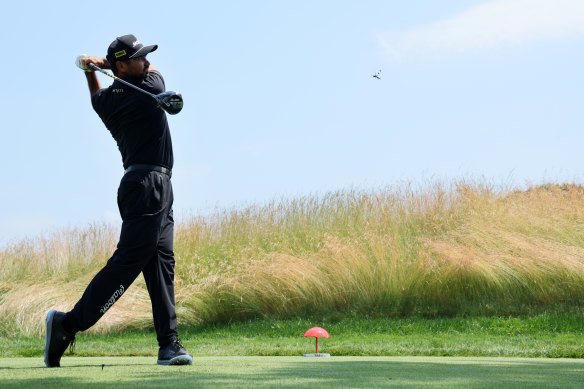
{"x": 439, "y": 374}
{"x": 75, "y": 366}
{"x": 443, "y": 372}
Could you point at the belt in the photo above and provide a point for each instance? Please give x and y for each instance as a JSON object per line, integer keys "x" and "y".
{"x": 156, "y": 168}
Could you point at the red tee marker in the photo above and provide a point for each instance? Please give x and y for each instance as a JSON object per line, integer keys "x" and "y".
{"x": 316, "y": 332}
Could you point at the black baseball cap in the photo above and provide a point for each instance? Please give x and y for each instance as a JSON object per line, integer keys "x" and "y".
{"x": 126, "y": 47}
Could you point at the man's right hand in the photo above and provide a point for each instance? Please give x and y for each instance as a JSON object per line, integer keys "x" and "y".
{"x": 80, "y": 65}
{"x": 84, "y": 60}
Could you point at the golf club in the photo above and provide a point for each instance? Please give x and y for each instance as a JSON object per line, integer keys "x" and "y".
{"x": 171, "y": 102}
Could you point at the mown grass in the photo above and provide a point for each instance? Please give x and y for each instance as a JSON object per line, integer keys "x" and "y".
{"x": 461, "y": 249}
{"x": 297, "y": 372}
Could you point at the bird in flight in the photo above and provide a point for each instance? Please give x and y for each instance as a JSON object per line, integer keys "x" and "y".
{"x": 377, "y": 75}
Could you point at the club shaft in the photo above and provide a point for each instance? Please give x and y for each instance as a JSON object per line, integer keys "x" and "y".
{"x": 94, "y": 67}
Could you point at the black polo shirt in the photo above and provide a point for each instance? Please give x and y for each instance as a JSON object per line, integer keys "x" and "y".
{"x": 138, "y": 126}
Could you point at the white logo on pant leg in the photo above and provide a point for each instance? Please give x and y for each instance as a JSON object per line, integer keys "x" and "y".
{"x": 113, "y": 299}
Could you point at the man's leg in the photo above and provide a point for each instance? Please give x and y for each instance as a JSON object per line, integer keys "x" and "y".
{"x": 142, "y": 206}
{"x": 143, "y": 203}
{"x": 159, "y": 277}
{"x": 111, "y": 282}
{"x": 108, "y": 285}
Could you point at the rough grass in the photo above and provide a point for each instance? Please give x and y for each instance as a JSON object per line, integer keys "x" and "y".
{"x": 442, "y": 250}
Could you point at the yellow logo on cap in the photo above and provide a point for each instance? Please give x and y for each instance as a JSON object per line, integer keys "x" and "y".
{"x": 120, "y": 53}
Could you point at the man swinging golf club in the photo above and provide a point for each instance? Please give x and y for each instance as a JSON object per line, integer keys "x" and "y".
{"x": 145, "y": 200}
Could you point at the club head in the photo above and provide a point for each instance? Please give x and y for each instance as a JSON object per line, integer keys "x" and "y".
{"x": 171, "y": 102}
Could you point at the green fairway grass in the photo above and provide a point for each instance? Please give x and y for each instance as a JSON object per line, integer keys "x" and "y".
{"x": 551, "y": 335}
{"x": 297, "y": 372}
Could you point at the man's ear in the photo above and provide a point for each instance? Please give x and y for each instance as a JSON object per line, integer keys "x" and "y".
{"x": 122, "y": 67}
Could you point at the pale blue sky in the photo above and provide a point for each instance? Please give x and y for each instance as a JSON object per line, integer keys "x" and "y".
{"x": 280, "y": 100}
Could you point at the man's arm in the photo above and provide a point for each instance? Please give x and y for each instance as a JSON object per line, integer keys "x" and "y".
{"x": 92, "y": 80}
{"x": 93, "y": 83}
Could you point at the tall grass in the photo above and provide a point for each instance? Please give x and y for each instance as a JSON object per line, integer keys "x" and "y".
{"x": 457, "y": 249}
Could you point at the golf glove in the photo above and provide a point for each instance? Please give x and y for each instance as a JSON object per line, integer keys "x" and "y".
{"x": 79, "y": 63}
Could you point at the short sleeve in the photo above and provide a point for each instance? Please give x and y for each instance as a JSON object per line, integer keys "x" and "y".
{"x": 154, "y": 83}
{"x": 97, "y": 100}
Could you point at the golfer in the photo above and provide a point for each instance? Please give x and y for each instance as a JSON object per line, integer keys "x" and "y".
{"x": 145, "y": 203}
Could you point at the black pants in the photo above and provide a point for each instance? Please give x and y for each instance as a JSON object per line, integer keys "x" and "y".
{"x": 146, "y": 241}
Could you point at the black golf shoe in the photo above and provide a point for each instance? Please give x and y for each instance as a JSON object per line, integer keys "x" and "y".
{"x": 56, "y": 339}
{"x": 174, "y": 354}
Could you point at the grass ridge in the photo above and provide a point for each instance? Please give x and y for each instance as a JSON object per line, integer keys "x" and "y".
{"x": 456, "y": 249}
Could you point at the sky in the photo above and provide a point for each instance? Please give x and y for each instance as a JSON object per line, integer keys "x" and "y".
{"x": 281, "y": 102}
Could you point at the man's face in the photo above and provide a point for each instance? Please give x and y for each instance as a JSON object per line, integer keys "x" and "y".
{"x": 135, "y": 67}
